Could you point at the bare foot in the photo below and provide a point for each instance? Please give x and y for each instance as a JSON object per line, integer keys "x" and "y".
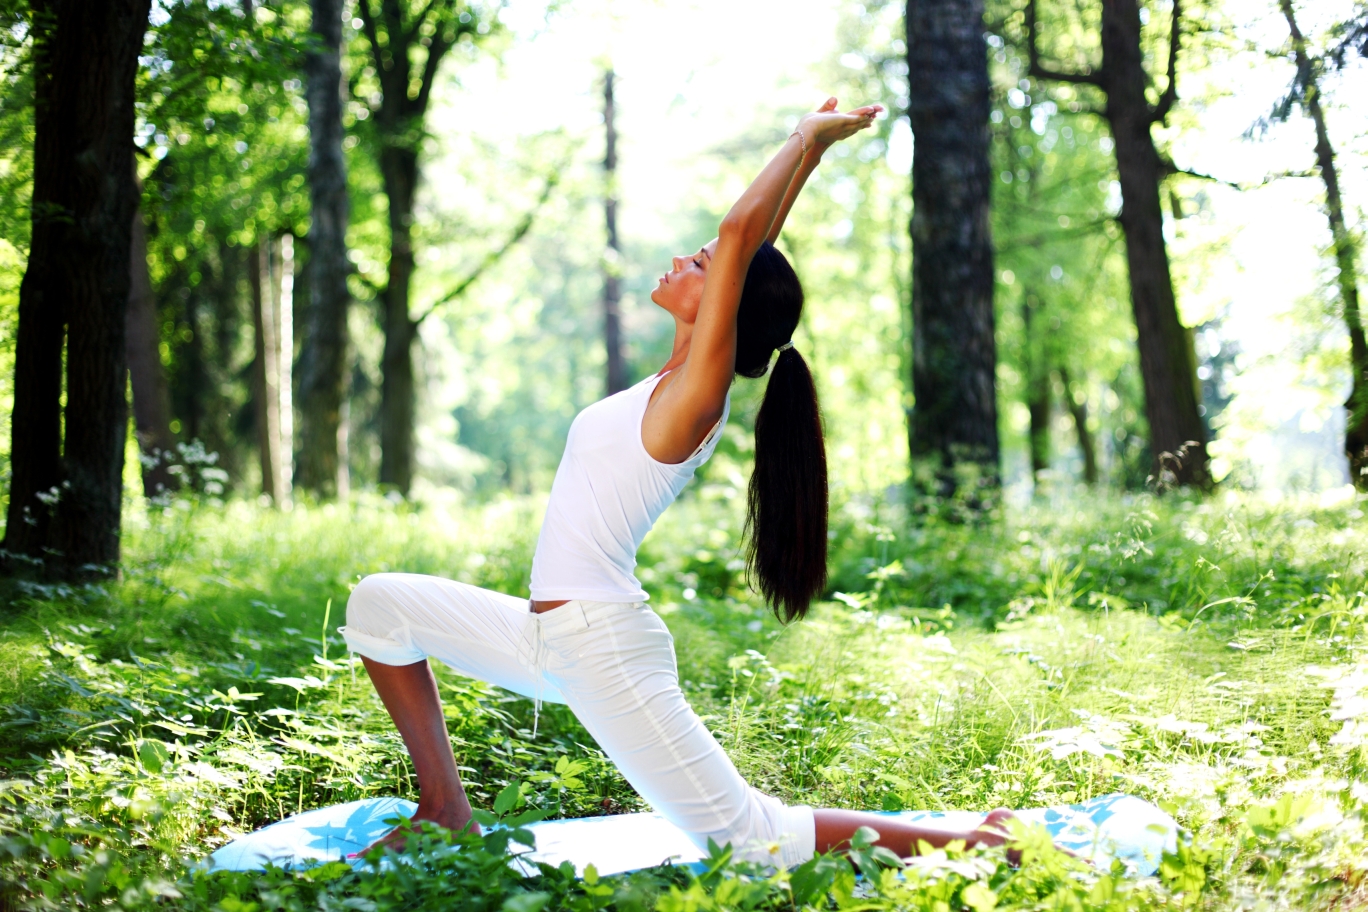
{"x": 396, "y": 838}
{"x": 993, "y": 832}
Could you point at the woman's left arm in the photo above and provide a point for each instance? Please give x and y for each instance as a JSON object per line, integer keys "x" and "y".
{"x": 809, "y": 164}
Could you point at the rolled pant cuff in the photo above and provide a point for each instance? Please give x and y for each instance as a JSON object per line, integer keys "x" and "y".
{"x": 385, "y": 650}
{"x": 795, "y": 844}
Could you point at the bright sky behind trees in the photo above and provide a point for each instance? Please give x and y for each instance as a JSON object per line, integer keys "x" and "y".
{"x": 696, "y": 73}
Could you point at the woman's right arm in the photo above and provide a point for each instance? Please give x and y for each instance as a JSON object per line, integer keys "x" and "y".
{"x": 693, "y": 401}
{"x": 707, "y": 373}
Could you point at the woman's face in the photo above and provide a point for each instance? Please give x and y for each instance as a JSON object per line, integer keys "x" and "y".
{"x": 680, "y": 290}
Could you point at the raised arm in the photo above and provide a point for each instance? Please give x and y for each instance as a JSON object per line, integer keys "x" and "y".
{"x": 809, "y": 164}
{"x": 692, "y": 399}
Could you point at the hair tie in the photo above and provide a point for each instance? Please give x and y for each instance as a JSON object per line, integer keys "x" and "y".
{"x": 786, "y": 346}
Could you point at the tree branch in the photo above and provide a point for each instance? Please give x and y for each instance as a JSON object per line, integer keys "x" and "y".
{"x": 436, "y": 51}
{"x": 1161, "y": 110}
{"x": 1171, "y": 168}
{"x": 394, "y": 31}
{"x": 1037, "y": 70}
{"x": 494, "y": 256}
{"x": 385, "y": 62}
{"x": 1053, "y": 236}
{"x": 376, "y": 290}
{"x": 368, "y": 26}
{"x": 411, "y": 33}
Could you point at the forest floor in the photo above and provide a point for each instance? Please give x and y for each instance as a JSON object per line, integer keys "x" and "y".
{"x": 1208, "y": 655}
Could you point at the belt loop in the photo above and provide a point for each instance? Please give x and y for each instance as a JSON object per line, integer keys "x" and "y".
{"x": 539, "y": 660}
{"x": 539, "y": 671}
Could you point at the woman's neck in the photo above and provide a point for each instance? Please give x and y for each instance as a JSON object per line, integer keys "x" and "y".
{"x": 680, "y": 353}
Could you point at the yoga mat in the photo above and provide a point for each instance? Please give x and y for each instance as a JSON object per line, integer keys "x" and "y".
{"x": 1113, "y": 826}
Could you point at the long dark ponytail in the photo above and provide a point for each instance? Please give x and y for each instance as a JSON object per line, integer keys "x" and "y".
{"x": 786, "y": 506}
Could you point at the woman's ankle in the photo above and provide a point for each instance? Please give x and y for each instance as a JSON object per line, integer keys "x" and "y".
{"x": 455, "y": 815}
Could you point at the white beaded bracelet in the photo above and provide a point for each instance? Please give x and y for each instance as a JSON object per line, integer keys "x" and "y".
{"x": 802, "y": 141}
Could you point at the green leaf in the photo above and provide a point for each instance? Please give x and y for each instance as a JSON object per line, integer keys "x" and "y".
{"x": 979, "y": 898}
{"x": 531, "y": 815}
{"x": 814, "y": 877}
{"x": 864, "y": 838}
{"x": 507, "y": 799}
{"x": 526, "y": 902}
{"x": 153, "y": 754}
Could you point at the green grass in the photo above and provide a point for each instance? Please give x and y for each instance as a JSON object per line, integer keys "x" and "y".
{"x": 1206, "y": 655}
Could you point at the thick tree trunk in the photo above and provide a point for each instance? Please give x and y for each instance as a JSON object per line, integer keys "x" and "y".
{"x": 323, "y": 373}
{"x": 1177, "y": 434}
{"x": 953, "y": 423}
{"x": 1346, "y": 258}
{"x": 612, "y": 255}
{"x": 397, "y": 393}
{"x": 151, "y": 396}
{"x": 1037, "y": 390}
{"x": 1078, "y": 409}
{"x": 66, "y": 494}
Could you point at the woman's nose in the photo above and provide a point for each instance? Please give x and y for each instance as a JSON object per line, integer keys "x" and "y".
{"x": 677, "y": 262}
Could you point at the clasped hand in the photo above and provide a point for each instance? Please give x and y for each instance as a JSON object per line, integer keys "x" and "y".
{"x": 827, "y": 125}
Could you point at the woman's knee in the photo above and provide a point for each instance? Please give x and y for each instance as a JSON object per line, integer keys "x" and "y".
{"x": 370, "y": 605}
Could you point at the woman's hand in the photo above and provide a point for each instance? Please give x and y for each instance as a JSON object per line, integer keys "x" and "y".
{"x": 827, "y": 126}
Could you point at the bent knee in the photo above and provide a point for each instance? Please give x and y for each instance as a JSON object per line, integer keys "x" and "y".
{"x": 370, "y": 605}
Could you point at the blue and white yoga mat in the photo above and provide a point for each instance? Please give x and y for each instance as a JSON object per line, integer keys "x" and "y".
{"x": 1113, "y": 826}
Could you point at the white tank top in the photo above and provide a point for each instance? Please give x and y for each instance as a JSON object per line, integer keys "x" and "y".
{"x": 607, "y": 494}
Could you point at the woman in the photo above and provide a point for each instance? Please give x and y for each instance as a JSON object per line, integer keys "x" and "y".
{"x": 588, "y": 639}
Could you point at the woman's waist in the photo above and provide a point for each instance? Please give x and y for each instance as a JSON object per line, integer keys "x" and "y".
{"x": 580, "y": 613}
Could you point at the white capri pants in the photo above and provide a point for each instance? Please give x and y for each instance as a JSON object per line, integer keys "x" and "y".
{"x": 613, "y": 664}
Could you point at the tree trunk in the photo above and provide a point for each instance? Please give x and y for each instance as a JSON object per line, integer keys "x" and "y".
{"x": 397, "y": 394}
{"x": 1037, "y": 391}
{"x": 151, "y": 396}
{"x": 1177, "y": 434}
{"x": 407, "y": 75}
{"x": 323, "y": 458}
{"x": 953, "y": 427}
{"x": 1078, "y": 408}
{"x": 270, "y": 362}
{"x": 284, "y": 332}
{"x": 612, "y": 255}
{"x": 1176, "y": 431}
{"x": 84, "y": 196}
{"x": 1346, "y": 258}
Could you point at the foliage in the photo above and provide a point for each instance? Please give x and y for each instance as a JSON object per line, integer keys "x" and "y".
{"x": 1208, "y": 656}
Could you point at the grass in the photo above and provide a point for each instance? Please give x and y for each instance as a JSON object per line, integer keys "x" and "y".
{"x": 1206, "y": 655}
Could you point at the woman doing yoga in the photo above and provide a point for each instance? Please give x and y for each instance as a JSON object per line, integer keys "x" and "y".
{"x": 587, "y": 638}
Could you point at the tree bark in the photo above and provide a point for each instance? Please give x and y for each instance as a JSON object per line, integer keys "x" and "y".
{"x": 407, "y": 49}
{"x": 612, "y": 255}
{"x": 272, "y": 361}
{"x": 66, "y": 493}
{"x": 1078, "y": 409}
{"x": 953, "y": 426}
{"x": 1037, "y": 391}
{"x": 1346, "y": 258}
{"x": 323, "y": 368}
{"x": 151, "y": 396}
{"x": 1177, "y": 434}
{"x": 397, "y": 394}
